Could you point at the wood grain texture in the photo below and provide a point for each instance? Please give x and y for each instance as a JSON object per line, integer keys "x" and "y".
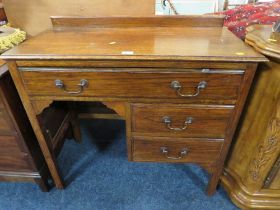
{"x": 20, "y": 156}
{"x": 136, "y": 43}
{"x": 48, "y": 154}
{"x": 264, "y": 40}
{"x": 160, "y": 55}
{"x": 207, "y": 121}
{"x": 274, "y": 184}
{"x": 199, "y": 150}
{"x": 264, "y": 199}
{"x": 118, "y": 107}
{"x": 6, "y": 127}
{"x": 160, "y": 65}
{"x": 114, "y": 83}
{"x": 244, "y": 90}
{"x": 153, "y": 21}
{"x": 17, "y": 161}
{"x": 40, "y": 105}
{"x": 247, "y": 177}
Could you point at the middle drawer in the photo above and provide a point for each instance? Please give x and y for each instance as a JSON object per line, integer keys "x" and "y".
{"x": 180, "y": 120}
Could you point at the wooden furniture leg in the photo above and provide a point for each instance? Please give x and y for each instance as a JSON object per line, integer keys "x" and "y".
{"x": 213, "y": 182}
{"x": 75, "y": 125}
{"x": 48, "y": 154}
{"x": 43, "y": 184}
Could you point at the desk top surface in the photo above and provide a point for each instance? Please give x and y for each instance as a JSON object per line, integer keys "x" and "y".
{"x": 141, "y": 43}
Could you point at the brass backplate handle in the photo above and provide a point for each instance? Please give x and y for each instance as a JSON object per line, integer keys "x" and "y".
{"x": 60, "y": 84}
{"x": 168, "y": 122}
{"x": 176, "y": 85}
{"x": 165, "y": 151}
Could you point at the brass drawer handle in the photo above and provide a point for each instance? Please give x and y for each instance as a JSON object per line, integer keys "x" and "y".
{"x": 167, "y": 121}
{"x": 83, "y": 84}
{"x": 183, "y": 153}
{"x": 176, "y": 85}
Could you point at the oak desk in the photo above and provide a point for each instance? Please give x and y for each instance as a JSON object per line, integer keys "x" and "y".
{"x": 179, "y": 82}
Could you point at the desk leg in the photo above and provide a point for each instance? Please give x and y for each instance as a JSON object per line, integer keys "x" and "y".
{"x": 214, "y": 181}
{"x": 75, "y": 126}
{"x": 49, "y": 157}
{"x": 74, "y": 122}
{"x": 244, "y": 89}
{"x": 128, "y": 131}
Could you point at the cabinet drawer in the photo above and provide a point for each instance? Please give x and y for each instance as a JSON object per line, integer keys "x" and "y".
{"x": 195, "y": 83}
{"x": 11, "y": 157}
{"x": 181, "y": 120}
{"x": 176, "y": 150}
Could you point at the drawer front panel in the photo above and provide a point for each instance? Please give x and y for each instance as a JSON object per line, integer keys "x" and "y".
{"x": 179, "y": 150}
{"x": 184, "y": 120}
{"x": 137, "y": 85}
{"x": 11, "y": 157}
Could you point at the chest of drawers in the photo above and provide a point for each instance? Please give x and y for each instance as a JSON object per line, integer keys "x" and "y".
{"x": 179, "y": 82}
{"x": 20, "y": 156}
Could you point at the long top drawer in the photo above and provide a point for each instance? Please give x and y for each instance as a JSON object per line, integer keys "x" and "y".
{"x": 188, "y": 84}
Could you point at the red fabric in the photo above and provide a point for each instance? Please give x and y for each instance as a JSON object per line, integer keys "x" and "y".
{"x": 239, "y": 18}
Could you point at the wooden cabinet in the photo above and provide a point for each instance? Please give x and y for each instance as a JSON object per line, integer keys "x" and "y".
{"x": 252, "y": 173}
{"x": 21, "y": 158}
{"x": 179, "y": 82}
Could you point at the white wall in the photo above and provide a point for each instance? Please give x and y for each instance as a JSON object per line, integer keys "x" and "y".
{"x": 197, "y": 7}
{"x": 190, "y": 7}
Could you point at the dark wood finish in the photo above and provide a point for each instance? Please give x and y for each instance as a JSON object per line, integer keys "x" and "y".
{"x": 128, "y": 22}
{"x": 220, "y": 85}
{"x": 146, "y": 43}
{"x": 130, "y": 66}
{"x": 21, "y": 158}
{"x": 208, "y": 121}
{"x": 5, "y": 123}
{"x": 12, "y": 157}
{"x": 55, "y": 130}
{"x": 159, "y": 65}
{"x": 252, "y": 173}
{"x": 199, "y": 150}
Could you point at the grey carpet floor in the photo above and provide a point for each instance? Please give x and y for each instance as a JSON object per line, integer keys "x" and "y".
{"x": 100, "y": 178}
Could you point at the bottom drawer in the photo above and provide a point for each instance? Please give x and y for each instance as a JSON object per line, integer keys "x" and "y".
{"x": 178, "y": 150}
